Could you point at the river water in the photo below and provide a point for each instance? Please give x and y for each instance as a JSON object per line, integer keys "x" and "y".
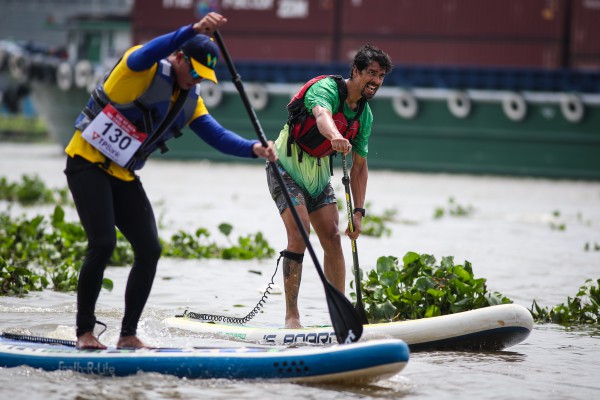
{"x": 510, "y": 237}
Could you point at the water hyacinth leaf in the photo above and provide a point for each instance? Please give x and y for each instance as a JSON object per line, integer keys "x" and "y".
{"x": 427, "y": 260}
{"x": 410, "y": 258}
{"x": 461, "y": 288}
{"x": 58, "y": 216}
{"x": 462, "y": 304}
{"x": 432, "y": 311}
{"x": 469, "y": 268}
{"x": 447, "y": 262}
{"x": 385, "y": 311}
{"x": 493, "y": 299}
{"x": 386, "y": 264}
{"x": 225, "y": 229}
{"x": 389, "y": 278}
{"x": 378, "y": 294}
{"x": 479, "y": 284}
{"x": 393, "y": 293}
{"x": 436, "y": 294}
{"x": 423, "y": 283}
{"x": 462, "y": 273}
{"x": 412, "y": 297}
{"x": 107, "y": 284}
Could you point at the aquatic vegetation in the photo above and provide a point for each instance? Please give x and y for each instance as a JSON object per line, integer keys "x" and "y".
{"x": 556, "y": 223}
{"x": 418, "y": 288}
{"x": 453, "y": 209}
{"x": 591, "y": 246}
{"x": 35, "y": 252}
{"x": 584, "y": 308}
{"x": 199, "y": 245}
{"x": 31, "y": 191}
{"x": 372, "y": 225}
{"x": 18, "y": 280}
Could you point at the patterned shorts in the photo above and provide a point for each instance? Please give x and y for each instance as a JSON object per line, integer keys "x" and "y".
{"x": 297, "y": 194}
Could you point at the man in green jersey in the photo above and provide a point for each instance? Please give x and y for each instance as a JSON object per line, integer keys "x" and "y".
{"x": 327, "y": 115}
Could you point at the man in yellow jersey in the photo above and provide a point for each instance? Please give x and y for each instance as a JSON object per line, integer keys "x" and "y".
{"x": 329, "y": 114}
{"x": 150, "y": 95}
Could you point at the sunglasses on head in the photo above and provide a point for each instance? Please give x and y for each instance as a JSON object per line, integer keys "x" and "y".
{"x": 193, "y": 72}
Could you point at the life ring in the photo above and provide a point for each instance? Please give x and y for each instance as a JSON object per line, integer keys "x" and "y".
{"x": 211, "y": 94}
{"x": 19, "y": 67}
{"x": 459, "y": 104}
{"x": 258, "y": 96}
{"x": 64, "y": 76}
{"x": 572, "y": 108}
{"x": 84, "y": 72}
{"x": 405, "y": 104}
{"x": 514, "y": 106}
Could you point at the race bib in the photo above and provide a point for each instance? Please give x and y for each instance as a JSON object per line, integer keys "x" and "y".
{"x": 114, "y": 136}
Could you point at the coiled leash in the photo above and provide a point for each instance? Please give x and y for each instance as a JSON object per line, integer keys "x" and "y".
{"x": 46, "y": 340}
{"x": 261, "y": 303}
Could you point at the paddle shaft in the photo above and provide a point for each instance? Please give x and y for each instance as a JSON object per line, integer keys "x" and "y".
{"x": 359, "y": 304}
{"x": 237, "y": 81}
{"x": 333, "y": 295}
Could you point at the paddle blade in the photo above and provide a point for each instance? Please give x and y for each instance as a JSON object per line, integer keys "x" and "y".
{"x": 344, "y": 318}
{"x": 362, "y": 314}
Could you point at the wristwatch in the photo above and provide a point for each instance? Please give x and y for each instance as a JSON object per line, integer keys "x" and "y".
{"x": 360, "y": 210}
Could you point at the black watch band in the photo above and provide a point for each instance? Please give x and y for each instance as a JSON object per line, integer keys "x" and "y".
{"x": 360, "y": 210}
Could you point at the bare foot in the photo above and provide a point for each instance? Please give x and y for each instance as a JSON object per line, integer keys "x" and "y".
{"x": 292, "y": 323}
{"x": 131, "y": 342}
{"x": 88, "y": 341}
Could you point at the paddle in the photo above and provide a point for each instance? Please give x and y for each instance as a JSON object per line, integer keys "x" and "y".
{"x": 344, "y": 318}
{"x": 359, "y": 304}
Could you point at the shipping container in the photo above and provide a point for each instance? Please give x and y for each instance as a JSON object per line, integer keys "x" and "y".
{"x": 585, "y": 34}
{"x": 483, "y": 20}
{"x": 468, "y": 54}
{"x": 507, "y": 33}
{"x": 257, "y": 48}
{"x": 260, "y": 19}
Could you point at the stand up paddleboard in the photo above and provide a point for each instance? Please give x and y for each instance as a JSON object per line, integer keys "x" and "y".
{"x": 486, "y": 329}
{"x": 351, "y": 363}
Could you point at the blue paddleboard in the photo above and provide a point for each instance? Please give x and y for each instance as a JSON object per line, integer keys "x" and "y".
{"x": 356, "y": 362}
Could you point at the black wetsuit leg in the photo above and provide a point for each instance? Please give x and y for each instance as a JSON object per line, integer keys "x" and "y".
{"x": 137, "y": 223}
{"x": 104, "y": 202}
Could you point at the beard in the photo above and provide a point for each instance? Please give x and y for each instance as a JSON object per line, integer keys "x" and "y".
{"x": 367, "y": 93}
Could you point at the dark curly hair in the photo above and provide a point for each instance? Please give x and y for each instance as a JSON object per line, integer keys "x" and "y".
{"x": 367, "y": 54}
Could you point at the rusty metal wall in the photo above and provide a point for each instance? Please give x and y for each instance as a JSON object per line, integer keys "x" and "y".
{"x": 256, "y": 30}
{"x": 466, "y": 54}
{"x": 456, "y": 19}
{"x": 514, "y": 33}
{"x": 585, "y": 34}
{"x": 459, "y": 32}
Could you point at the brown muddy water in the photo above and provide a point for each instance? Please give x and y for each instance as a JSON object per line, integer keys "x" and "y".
{"x": 510, "y": 238}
